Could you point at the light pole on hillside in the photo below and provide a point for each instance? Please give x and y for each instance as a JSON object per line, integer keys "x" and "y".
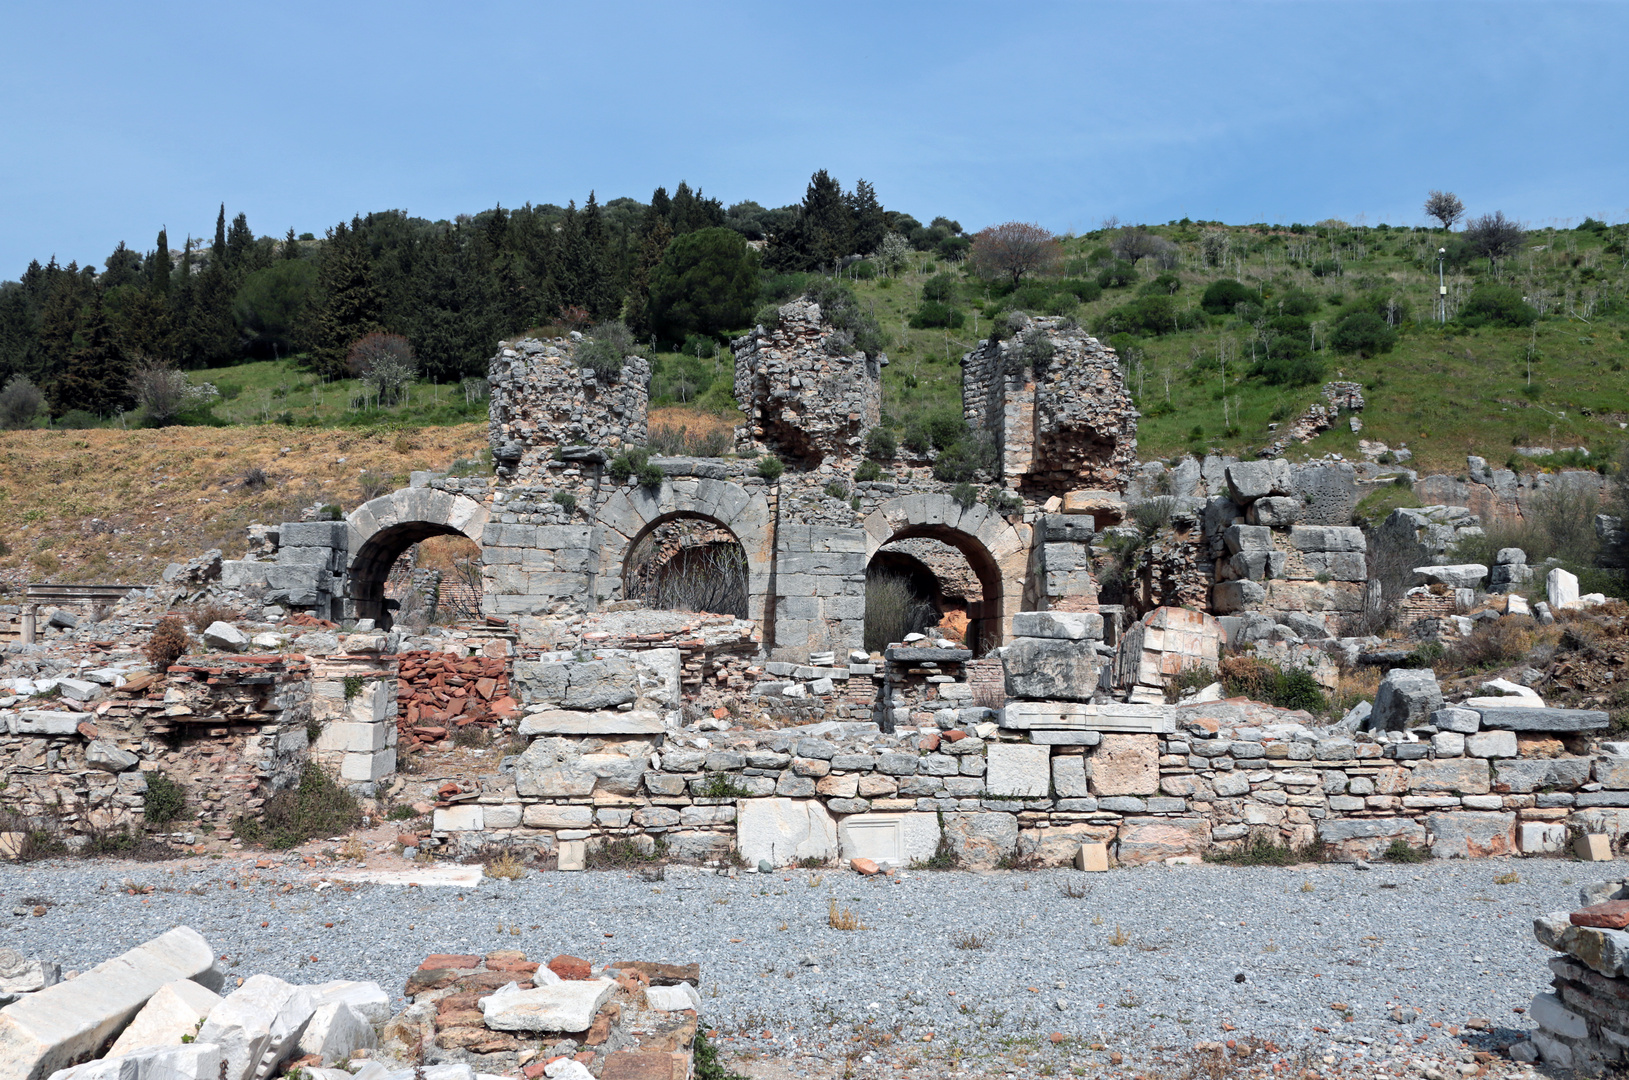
{"x": 1442, "y": 289}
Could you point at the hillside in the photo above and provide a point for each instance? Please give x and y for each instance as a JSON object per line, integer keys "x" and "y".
{"x": 105, "y": 505}
{"x": 1441, "y": 391}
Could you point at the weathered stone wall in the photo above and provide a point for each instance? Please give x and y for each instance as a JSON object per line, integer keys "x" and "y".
{"x": 542, "y": 400}
{"x": 1061, "y": 423}
{"x": 229, "y": 730}
{"x": 807, "y": 394}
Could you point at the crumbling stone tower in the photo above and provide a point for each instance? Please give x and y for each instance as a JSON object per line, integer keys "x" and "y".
{"x": 543, "y": 400}
{"x": 808, "y": 393}
{"x": 1054, "y": 401}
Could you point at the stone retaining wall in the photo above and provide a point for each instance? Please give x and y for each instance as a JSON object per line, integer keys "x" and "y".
{"x": 230, "y": 731}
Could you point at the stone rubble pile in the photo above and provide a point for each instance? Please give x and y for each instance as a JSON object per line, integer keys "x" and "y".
{"x": 164, "y": 1011}
{"x": 1583, "y": 1023}
{"x": 632, "y": 1019}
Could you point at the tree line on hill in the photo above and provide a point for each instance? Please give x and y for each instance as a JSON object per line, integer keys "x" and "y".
{"x": 680, "y": 265}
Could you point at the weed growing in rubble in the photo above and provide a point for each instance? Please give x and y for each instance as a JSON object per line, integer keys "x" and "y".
{"x": 353, "y": 687}
{"x": 167, "y": 644}
{"x": 1401, "y": 851}
{"x": 720, "y": 786}
{"x": 624, "y": 854}
{"x": 204, "y": 616}
{"x": 506, "y": 866}
{"x": 165, "y": 800}
{"x": 770, "y": 468}
{"x": 1263, "y": 850}
{"x": 1119, "y": 937}
{"x": 316, "y": 807}
{"x": 705, "y": 1060}
{"x": 970, "y": 941}
{"x": 842, "y": 919}
{"x": 401, "y": 813}
{"x": 1510, "y": 877}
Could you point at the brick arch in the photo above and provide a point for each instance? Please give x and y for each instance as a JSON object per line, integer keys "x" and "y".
{"x": 996, "y": 549}
{"x": 630, "y": 513}
{"x": 383, "y": 528}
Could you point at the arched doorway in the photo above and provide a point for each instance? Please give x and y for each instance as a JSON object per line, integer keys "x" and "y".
{"x": 632, "y": 513}
{"x": 685, "y": 562}
{"x": 996, "y": 550}
{"x": 382, "y": 529}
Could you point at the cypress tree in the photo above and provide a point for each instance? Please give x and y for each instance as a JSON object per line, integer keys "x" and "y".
{"x": 217, "y": 250}
{"x": 291, "y": 246}
{"x": 162, "y": 267}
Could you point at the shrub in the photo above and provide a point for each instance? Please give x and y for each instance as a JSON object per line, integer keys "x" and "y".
{"x": 20, "y": 402}
{"x": 1299, "y": 302}
{"x": 203, "y": 616}
{"x": 1301, "y": 369}
{"x": 1364, "y": 333}
{"x": 384, "y": 362}
{"x": 867, "y": 472}
{"x": 165, "y": 800}
{"x": 1496, "y": 642}
{"x": 932, "y": 314}
{"x": 1084, "y": 289}
{"x": 880, "y": 444}
{"x": 1163, "y": 285}
{"x": 1117, "y": 275}
{"x": 1036, "y": 351}
{"x": 1222, "y": 297}
{"x": 965, "y": 459}
{"x": 965, "y": 495}
{"x": 317, "y": 806}
{"x": 770, "y": 468}
{"x": 167, "y": 644}
{"x": 605, "y": 348}
{"x": 1262, "y": 680}
{"x": 636, "y": 462}
{"x": 1148, "y": 314}
{"x": 892, "y": 610}
{"x": 1499, "y": 305}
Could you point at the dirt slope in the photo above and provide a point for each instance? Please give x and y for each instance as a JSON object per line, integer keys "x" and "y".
{"x": 117, "y": 506}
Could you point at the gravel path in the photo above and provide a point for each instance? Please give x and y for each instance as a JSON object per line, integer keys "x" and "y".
{"x": 1149, "y": 957}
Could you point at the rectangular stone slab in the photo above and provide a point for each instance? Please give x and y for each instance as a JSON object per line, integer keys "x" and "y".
{"x": 566, "y": 722}
{"x": 565, "y": 1006}
{"x": 49, "y": 1030}
{"x": 1518, "y": 718}
{"x": 1079, "y": 716}
{"x": 907, "y": 654}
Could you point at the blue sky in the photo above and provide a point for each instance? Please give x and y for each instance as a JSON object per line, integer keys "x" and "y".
{"x": 118, "y": 118}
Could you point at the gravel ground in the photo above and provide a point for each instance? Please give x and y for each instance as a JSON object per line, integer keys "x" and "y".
{"x": 988, "y": 965}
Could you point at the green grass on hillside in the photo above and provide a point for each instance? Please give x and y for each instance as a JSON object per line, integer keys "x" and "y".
{"x": 1443, "y": 391}
{"x": 280, "y": 391}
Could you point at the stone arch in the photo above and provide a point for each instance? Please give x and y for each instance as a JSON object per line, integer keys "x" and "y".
{"x": 380, "y": 530}
{"x": 997, "y": 550}
{"x": 630, "y": 513}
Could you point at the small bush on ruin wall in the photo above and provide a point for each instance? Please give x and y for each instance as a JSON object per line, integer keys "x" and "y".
{"x": 317, "y": 806}
{"x": 167, "y": 644}
{"x": 165, "y": 800}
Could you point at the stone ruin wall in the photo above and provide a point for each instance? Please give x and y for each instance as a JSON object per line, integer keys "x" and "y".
{"x": 230, "y": 731}
{"x": 543, "y": 401}
{"x": 802, "y": 400}
{"x": 1067, "y": 423}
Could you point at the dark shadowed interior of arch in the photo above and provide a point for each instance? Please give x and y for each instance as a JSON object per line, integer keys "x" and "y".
{"x": 904, "y": 594}
{"x": 687, "y": 563}
{"x": 370, "y": 568}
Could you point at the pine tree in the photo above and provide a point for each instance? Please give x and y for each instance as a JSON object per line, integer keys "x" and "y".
{"x": 240, "y": 248}
{"x": 291, "y": 246}
{"x": 59, "y": 322}
{"x": 870, "y": 220}
{"x": 96, "y": 374}
{"x": 351, "y": 307}
{"x": 598, "y": 287}
{"x": 636, "y": 308}
{"x": 123, "y": 268}
{"x": 822, "y": 232}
